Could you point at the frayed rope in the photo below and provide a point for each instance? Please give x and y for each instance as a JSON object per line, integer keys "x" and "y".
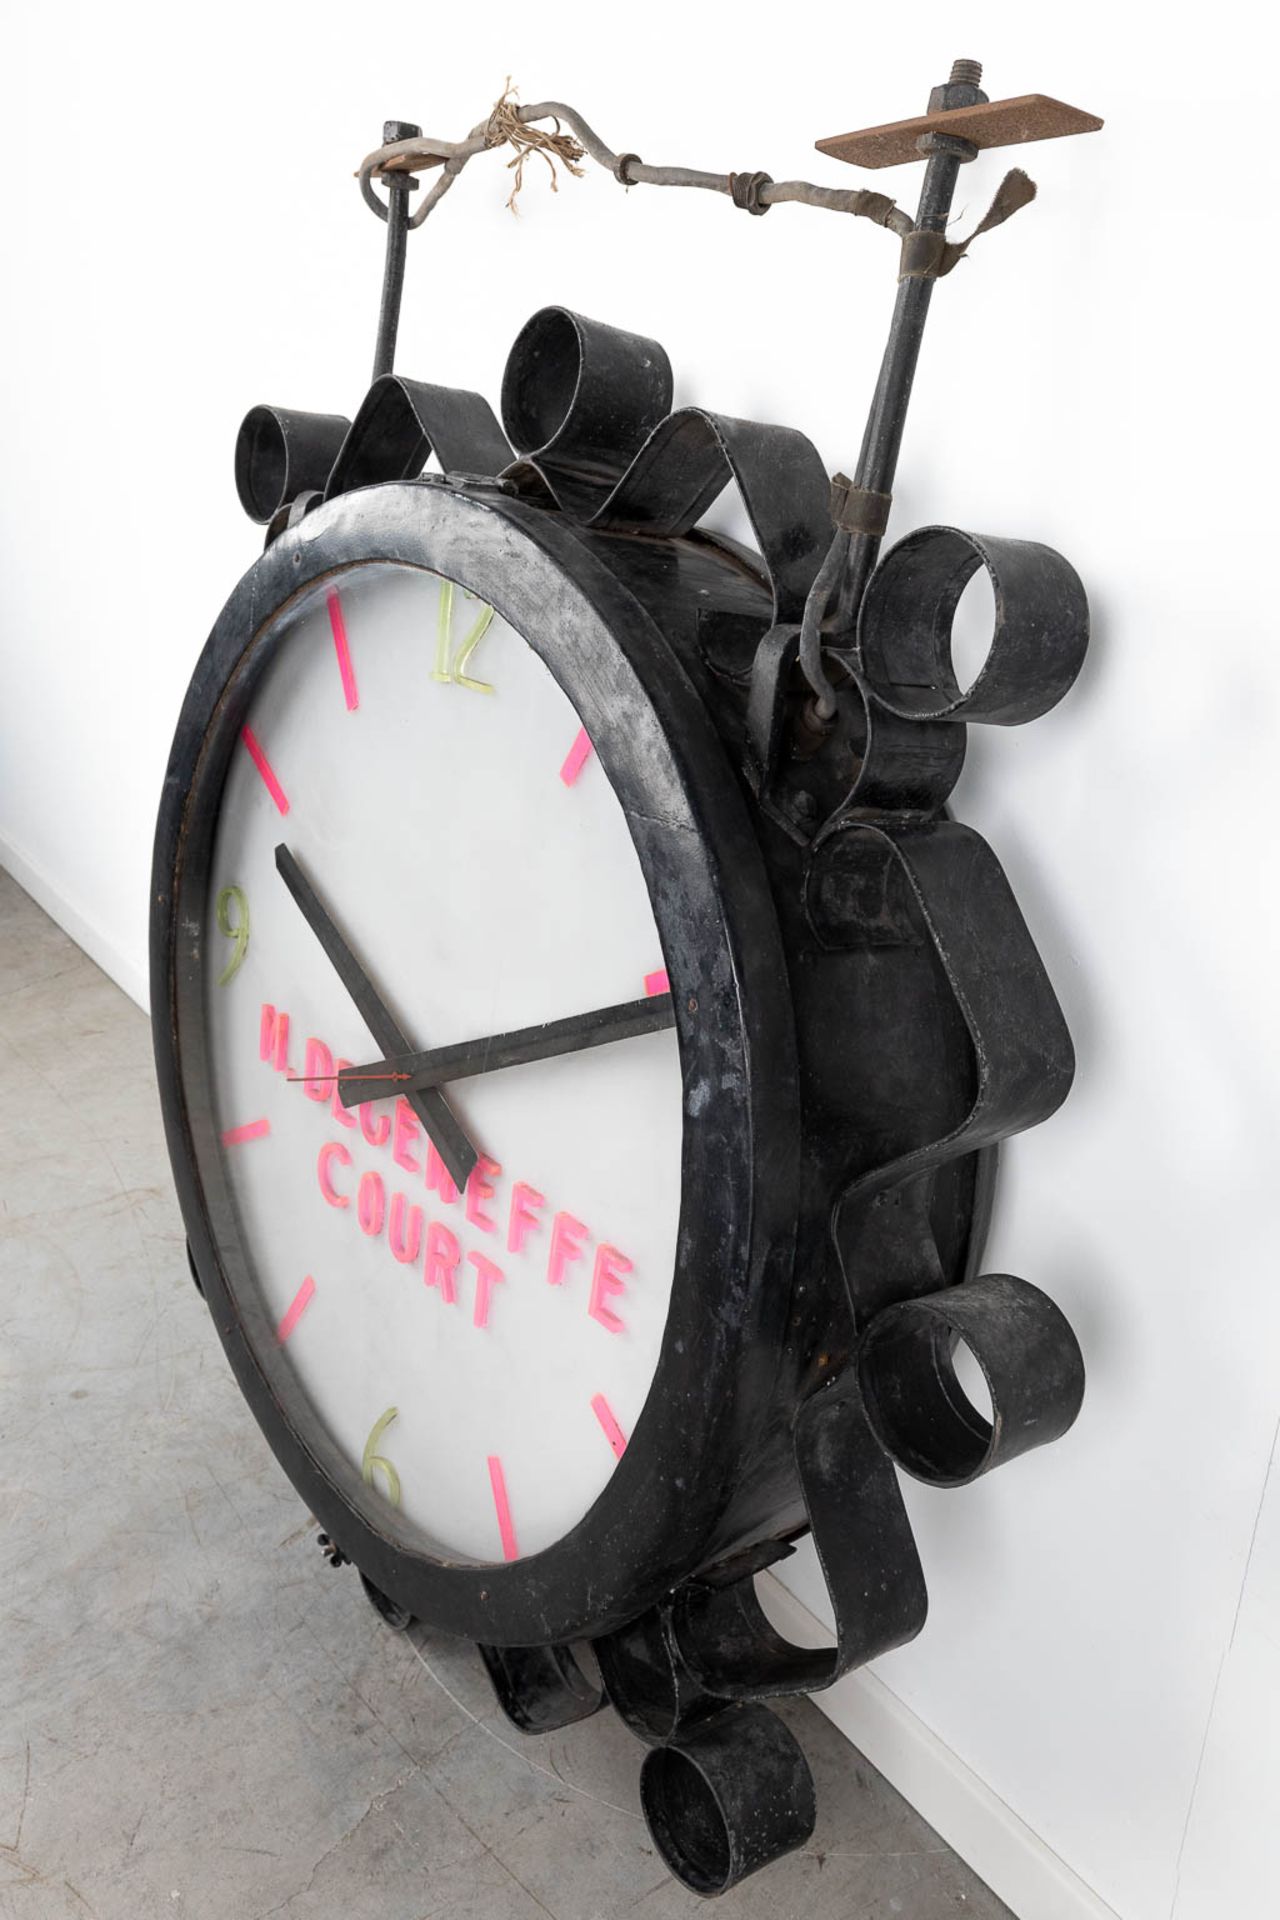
{"x": 505, "y": 128}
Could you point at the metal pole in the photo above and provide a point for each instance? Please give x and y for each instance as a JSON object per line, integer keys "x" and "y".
{"x": 398, "y": 190}
{"x": 882, "y": 440}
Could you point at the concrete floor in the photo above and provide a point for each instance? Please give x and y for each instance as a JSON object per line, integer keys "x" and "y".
{"x": 197, "y": 1715}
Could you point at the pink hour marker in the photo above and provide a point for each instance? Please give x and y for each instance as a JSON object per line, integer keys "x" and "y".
{"x": 655, "y": 983}
{"x": 510, "y": 1551}
{"x": 612, "y": 1431}
{"x": 576, "y": 758}
{"x": 343, "y": 652}
{"x": 301, "y": 1301}
{"x": 263, "y": 765}
{"x": 251, "y": 1130}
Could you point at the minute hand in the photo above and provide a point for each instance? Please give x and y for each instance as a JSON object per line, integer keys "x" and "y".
{"x": 452, "y": 1144}
{"x": 417, "y": 1072}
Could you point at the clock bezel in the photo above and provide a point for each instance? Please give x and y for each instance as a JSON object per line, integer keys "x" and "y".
{"x": 679, "y": 1494}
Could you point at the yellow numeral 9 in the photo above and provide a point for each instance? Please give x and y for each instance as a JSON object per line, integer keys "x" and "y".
{"x": 239, "y": 931}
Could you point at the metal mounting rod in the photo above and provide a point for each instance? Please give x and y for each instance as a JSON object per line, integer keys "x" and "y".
{"x": 882, "y": 439}
{"x": 399, "y": 187}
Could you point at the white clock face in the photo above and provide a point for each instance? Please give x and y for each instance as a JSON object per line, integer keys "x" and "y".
{"x": 480, "y": 1357}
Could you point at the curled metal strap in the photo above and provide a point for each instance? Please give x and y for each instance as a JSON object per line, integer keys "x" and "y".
{"x": 938, "y": 884}
{"x": 868, "y": 1556}
{"x": 402, "y": 422}
{"x": 585, "y": 404}
{"x": 1029, "y": 1358}
{"x": 541, "y": 1689}
{"x": 692, "y": 456}
{"x": 648, "y": 1683}
{"x": 1038, "y": 643}
{"x": 282, "y": 453}
{"x": 579, "y": 399}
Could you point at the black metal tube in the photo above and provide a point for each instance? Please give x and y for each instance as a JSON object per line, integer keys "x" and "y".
{"x": 384, "y": 353}
{"x": 882, "y": 438}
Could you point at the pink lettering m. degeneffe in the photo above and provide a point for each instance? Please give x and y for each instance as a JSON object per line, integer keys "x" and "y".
{"x": 487, "y": 1278}
{"x": 480, "y": 1188}
{"x": 436, "y": 1175}
{"x": 273, "y": 1037}
{"x": 251, "y": 1130}
{"x": 526, "y": 1204}
{"x": 405, "y": 1245}
{"x": 317, "y": 1071}
{"x": 441, "y": 1263}
{"x": 567, "y": 1235}
{"x": 405, "y": 1134}
{"x": 656, "y": 983}
{"x": 606, "y": 1281}
{"x": 332, "y": 1150}
{"x": 336, "y": 1108}
{"x": 371, "y": 1204}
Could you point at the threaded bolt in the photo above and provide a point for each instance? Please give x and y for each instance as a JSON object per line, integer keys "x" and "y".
{"x": 966, "y": 73}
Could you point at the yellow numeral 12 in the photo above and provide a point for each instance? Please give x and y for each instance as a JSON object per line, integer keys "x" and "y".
{"x": 454, "y": 671}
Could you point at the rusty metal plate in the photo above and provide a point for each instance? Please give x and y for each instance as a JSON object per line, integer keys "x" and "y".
{"x": 997, "y": 123}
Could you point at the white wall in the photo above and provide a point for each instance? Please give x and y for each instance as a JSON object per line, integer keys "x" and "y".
{"x": 183, "y": 237}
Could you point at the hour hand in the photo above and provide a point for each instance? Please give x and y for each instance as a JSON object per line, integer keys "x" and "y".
{"x": 451, "y": 1142}
{"x": 438, "y": 1065}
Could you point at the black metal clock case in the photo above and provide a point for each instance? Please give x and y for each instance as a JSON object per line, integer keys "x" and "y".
{"x": 862, "y": 1017}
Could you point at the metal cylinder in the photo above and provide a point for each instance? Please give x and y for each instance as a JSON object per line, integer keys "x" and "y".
{"x": 728, "y": 1798}
{"x": 1029, "y": 1358}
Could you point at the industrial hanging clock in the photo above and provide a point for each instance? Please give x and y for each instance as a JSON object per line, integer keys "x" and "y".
{"x": 583, "y": 1031}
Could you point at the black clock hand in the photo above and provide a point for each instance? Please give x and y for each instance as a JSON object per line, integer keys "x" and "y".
{"x": 432, "y": 1109}
{"x": 438, "y": 1065}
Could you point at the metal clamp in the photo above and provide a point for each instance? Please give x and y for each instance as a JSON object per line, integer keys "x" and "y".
{"x": 856, "y": 509}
